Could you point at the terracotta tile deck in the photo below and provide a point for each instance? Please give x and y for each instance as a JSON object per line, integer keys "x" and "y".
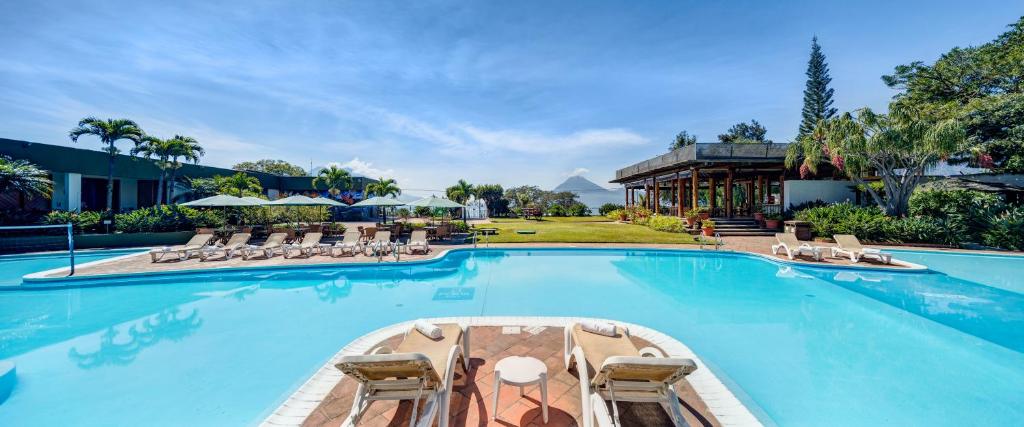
{"x": 472, "y": 398}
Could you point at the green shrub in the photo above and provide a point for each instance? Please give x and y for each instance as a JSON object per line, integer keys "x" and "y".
{"x": 578, "y": 209}
{"x": 460, "y": 226}
{"x": 166, "y": 218}
{"x": 919, "y": 229}
{"x": 966, "y": 210}
{"x": 84, "y": 221}
{"x": 557, "y": 210}
{"x": 1006, "y": 230}
{"x": 867, "y": 223}
{"x": 666, "y": 223}
{"x": 608, "y": 208}
{"x": 638, "y": 214}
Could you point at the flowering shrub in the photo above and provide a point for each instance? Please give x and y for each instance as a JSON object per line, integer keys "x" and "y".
{"x": 667, "y": 223}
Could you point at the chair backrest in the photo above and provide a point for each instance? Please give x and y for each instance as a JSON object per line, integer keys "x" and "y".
{"x": 418, "y": 236}
{"x": 311, "y": 239}
{"x": 200, "y": 239}
{"x": 369, "y": 232}
{"x": 351, "y": 236}
{"x": 443, "y": 230}
{"x": 655, "y": 369}
{"x": 383, "y": 236}
{"x": 789, "y": 239}
{"x": 316, "y": 228}
{"x": 238, "y": 239}
{"x": 394, "y": 366}
{"x": 848, "y": 241}
{"x": 275, "y": 239}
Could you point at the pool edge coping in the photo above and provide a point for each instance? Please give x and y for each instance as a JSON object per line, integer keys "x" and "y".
{"x": 720, "y": 401}
{"x": 40, "y": 280}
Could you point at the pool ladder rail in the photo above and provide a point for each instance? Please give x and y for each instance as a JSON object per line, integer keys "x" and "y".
{"x": 718, "y": 242}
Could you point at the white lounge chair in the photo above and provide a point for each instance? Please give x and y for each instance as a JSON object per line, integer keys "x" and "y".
{"x": 184, "y": 252}
{"x": 612, "y": 368}
{"x": 793, "y": 247}
{"x": 350, "y": 243}
{"x": 419, "y": 367}
{"x": 274, "y": 243}
{"x": 381, "y": 243}
{"x": 849, "y": 245}
{"x": 417, "y": 242}
{"x": 236, "y": 244}
{"x": 310, "y": 244}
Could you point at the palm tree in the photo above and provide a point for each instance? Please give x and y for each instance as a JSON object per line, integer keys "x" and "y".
{"x": 239, "y": 184}
{"x": 186, "y": 148}
{"x": 334, "y": 178}
{"x": 24, "y": 178}
{"x": 162, "y": 149}
{"x": 460, "y": 193}
{"x": 109, "y": 132}
{"x": 383, "y": 187}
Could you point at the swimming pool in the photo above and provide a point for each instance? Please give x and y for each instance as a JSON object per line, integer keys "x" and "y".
{"x": 13, "y": 267}
{"x": 802, "y": 345}
{"x": 999, "y": 271}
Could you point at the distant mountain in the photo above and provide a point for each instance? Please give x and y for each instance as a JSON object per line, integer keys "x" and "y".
{"x": 578, "y": 184}
{"x": 591, "y": 194}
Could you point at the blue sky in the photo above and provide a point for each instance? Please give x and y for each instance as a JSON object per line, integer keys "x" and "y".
{"x": 429, "y": 92}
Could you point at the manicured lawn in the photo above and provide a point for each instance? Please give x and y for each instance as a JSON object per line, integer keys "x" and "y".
{"x": 579, "y": 230}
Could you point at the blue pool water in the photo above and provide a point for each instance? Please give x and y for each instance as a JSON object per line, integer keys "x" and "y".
{"x": 805, "y": 346}
{"x": 1000, "y": 271}
{"x": 13, "y": 267}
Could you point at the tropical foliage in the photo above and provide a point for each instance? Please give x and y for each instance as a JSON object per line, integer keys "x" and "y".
{"x": 608, "y": 208}
{"x": 335, "y": 179}
{"x": 183, "y": 148}
{"x": 277, "y": 167}
{"x": 460, "y": 192}
{"x": 1006, "y": 230}
{"x": 161, "y": 149}
{"x": 240, "y": 184}
{"x": 23, "y": 177}
{"x": 493, "y": 195}
{"x": 745, "y": 133}
{"x": 384, "y": 187}
{"x": 84, "y": 221}
{"x": 166, "y": 218}
{"x": 681, "y": 140}
{"x": 109, "y": 131}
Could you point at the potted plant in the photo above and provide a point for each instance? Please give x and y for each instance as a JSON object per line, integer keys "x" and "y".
{"x": 704, "y": 213}
{"x": 772, "y": 221}
{"x": 758, "y": 214}
{"x": 691, "y": 217}
{"x": 708, "y": 226}
{"x": 623, "y": 215}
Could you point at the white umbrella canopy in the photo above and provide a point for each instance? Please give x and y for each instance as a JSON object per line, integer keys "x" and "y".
{"x": 380, "y": 201}
{"x": 256, "y": 200}
{"x": 436, "y": 202}
{"x": 220, "y": 200}
{"x": 300, "y": 200}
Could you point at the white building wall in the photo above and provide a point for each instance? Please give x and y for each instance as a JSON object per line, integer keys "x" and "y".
{"x": 67, "y": 191}
{"x": 129, "y": 193}
{"x": 802, "y": 191}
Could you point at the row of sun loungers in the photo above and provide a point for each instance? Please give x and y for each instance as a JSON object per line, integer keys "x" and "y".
{"x": 847, "y": 245}
{"x": 609, "y": 366}
{"x": 202, "y": 245}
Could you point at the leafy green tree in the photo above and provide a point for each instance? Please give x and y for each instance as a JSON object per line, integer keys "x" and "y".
{"x": 277, "y": 167}
{"x": 524, "y": 196}
{"x": 492, "y": 194}
{"x": 460, "y": 193}
{"x": 183, "y": 148}
{"x": 23, "y": 177}
{"x": 109, "y": 131}
{"x": 817, "y": 94}
{"x": 161, "y": 149}
{"x": 334, "y": 178}
{"x": 681, "y": 140}
{"x": 239, "y": 185}
{"x": 745, "y": 133}
{"x": 983, "y": 87}
{"x": 897, "y": 148}
{"x": 384, "y": 187}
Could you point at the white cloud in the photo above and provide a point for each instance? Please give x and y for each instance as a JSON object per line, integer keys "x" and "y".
{"x": 578, "y": 172}
{"x": 531, "y": 142}
{"x": 363, "y": 168}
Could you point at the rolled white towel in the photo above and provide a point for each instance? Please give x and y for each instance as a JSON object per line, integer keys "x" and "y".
{"x": 429, "y": 329}
{"x": 600, "y": 328}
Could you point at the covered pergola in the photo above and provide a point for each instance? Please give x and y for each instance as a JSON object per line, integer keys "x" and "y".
{"x": 730, "y": 180}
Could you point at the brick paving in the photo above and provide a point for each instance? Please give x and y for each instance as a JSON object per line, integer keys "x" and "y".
{"x": 472, "y": 404}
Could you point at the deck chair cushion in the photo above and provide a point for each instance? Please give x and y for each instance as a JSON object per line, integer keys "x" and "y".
{"x": 376, "y": 367}
{"x": 598, "y": 348}
{"x": 633, "y": 368}
{"x": 434, "y": 349}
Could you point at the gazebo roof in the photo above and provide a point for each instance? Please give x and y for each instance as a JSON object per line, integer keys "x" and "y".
{"x": 699, "y": 155}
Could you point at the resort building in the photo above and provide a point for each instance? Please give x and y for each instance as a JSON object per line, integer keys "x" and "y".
{"x": 730, "y": 180}
{"x": 80, "y": 179}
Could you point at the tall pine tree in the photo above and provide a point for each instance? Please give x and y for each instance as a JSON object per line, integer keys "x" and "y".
{"x": 817, "y": 95}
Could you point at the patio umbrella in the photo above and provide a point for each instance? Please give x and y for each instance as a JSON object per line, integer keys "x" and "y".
{"x": 256, "y": 200}
{"x": 220, "y": 201}
{"x": 300, "y": 200}
{"x": 382, "y": 202}
{"x": 436, "y": 202}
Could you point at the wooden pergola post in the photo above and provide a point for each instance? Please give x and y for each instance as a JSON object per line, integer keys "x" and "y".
{"x": 712, "y": 203}
{"x": 782, "y": 192}
{"x": 760, "y": 189}
{"x": 657, "y": 200}
{"x": 695, "y": 186}
{"x": 728, "y": 192}
{"x": 680, "y": 196}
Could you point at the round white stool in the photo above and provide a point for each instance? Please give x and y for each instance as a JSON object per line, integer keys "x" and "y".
{"x": 521, "y": 371}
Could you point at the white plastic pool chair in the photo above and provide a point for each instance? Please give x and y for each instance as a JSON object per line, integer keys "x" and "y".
{"x": 793, "y": 247}
{"x": 849, "y": 245}
{"x": 612, "y": 369}
{"x": 236, "y": 244}
{"x": 381, "y": 243}
{"x": 418, "y": 242}
{"x": 184, "y": 252}
{"x": 274, "y": 243}
{"x": 351, "y": 243}
{"x": 420, "y": 367}
{"x": 310, "y": 244}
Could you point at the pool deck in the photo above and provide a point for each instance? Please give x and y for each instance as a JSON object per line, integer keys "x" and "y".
{"x": 141, "y": 263}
